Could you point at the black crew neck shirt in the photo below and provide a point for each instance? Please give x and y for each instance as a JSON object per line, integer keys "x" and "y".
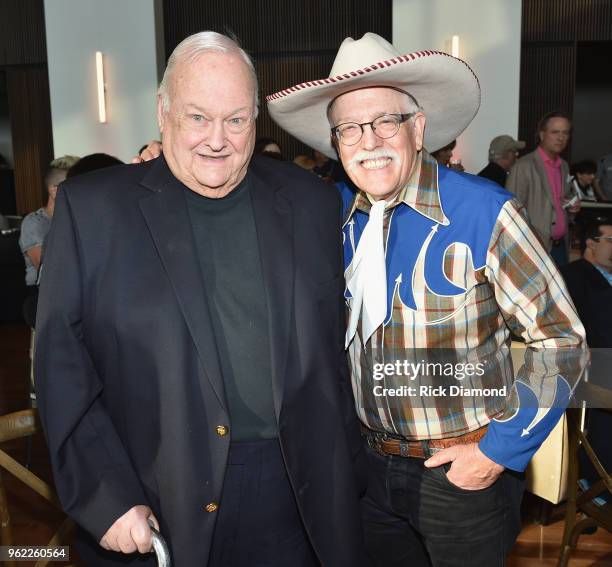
{"x": 226, "y": 242}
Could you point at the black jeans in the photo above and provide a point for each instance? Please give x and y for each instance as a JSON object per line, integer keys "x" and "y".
{"x": 414, "y": 517}
{"x": 259, "y": 523}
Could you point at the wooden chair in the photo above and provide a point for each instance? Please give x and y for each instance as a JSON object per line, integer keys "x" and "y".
{"x": 581, "y": 501}
{"x": 18, "y": 425}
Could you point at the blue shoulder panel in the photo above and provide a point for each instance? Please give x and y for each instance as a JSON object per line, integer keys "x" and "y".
{"x": 470, "y": 203}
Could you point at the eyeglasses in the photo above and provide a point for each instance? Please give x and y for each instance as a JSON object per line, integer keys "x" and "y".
{"x": 385, "y": 126}
{"x": 606, "y": 238}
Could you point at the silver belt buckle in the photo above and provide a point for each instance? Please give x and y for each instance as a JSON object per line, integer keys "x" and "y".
{"x": 429, "y": 450}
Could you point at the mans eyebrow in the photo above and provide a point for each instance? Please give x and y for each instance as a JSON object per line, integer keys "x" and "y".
{"x": 241, "y": 109}
{"x": 345, "y": 120}
{"x": 199, "y": 110}
{"x": 195, "y": 108}
{"x": 373, "y": 117}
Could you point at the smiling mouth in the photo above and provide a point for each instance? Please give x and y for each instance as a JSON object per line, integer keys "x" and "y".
{"x": 216, "y": 158}
{"x": 378, "y": 163}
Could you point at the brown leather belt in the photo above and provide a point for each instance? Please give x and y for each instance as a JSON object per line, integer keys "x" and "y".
{"x": 385, "y": 445}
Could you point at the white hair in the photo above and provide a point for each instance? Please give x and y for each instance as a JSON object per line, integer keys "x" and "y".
{"x": 191, "y": 48}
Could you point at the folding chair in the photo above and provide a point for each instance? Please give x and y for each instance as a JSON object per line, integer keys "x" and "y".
{"x": 580, "y": 501}
{"x": 16, "y": 426}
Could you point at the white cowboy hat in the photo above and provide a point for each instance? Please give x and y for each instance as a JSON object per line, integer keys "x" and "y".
{"x": 445, "y": 88}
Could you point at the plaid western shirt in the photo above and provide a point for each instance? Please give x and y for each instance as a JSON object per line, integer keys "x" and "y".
{"x": 464, "y": 269}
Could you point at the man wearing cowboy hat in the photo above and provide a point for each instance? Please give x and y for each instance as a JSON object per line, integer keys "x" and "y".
{"x": 440, "y": 268}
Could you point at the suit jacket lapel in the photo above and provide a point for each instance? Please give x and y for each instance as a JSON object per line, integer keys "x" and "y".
{"x": 168, "y": 220}
{"x": 274, "y": 223}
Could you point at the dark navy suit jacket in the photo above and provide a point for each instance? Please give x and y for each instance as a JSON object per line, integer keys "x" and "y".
{"x": 128, "y": 377}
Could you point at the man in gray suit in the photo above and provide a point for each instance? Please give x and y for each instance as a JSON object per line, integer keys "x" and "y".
{"x": 541, "y": 181}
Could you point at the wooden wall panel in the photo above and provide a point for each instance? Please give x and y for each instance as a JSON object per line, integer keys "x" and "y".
{"x": 594, "y": 20}
{"x": 22, "y": 32}
{"x": 23, "y": 56}
{"x": 277, "y": 73}
{"x": 548, "y": 74}
{"x": 567, "y": 20}
{"x": 278, "y": 26}
{"x": 30, "y": 114}
{"x": 551, "y": 31}
{"x": 291, "y": 41}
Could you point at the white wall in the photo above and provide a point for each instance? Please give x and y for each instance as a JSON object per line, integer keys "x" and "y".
{"x": 490, "y": 42}
{"x": 126, "y": 33}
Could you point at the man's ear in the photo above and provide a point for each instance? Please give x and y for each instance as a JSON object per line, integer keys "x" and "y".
{"x": 160, "y": 113}
{"x": 540, "y": 135}
{"x": 590, "y": 244}
{"x": 334, "y": 143}
{"x": 418, "y": 125}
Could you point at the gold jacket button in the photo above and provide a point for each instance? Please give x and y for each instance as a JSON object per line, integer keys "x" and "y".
{"x": 221, "y": 430}
{"x": 212, "y": 507}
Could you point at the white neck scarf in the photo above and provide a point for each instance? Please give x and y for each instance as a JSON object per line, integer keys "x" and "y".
{"x": 367, "y": 281}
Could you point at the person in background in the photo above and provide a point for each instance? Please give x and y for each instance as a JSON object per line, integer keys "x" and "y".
{"x": 92, "y": 162}
{"x": 304, "y": 162}
{"x": 34, "y": 229}
{"x": 604, "y": 175}
{"x": 35, "y": 226}
{"x": 444, "y": 156}
{"x": 540, "y": 180}
{"x": 503, "y": 153}
{"x": 268, "y": 147}
{"x": 584, "y": 181}
{"x": 589, "y": 281}
{"x": 327, "y": 169}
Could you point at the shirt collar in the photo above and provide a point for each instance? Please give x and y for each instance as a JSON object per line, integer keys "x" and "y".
{"x": 421, "y": 192}
{"x": 555, "y": 162}
{"x": 604, "y": 273}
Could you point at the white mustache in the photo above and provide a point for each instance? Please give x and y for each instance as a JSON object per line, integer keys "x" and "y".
{"x": 376, "y": 154}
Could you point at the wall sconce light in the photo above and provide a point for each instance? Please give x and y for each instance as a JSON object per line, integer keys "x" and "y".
{"x": 101, "y": 87}
{"x": 455, "y": 46}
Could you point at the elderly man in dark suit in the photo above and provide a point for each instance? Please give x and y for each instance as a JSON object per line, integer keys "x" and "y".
{"x": 190, "y": 363}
